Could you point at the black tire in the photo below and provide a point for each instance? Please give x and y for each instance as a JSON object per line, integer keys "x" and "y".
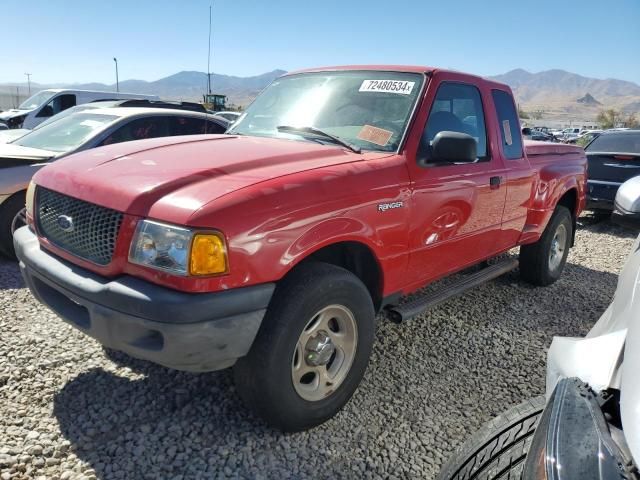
{"x": 264, "y": 377}
{"x": 498, "y": 450}
{"x": 534, "y": 259}
{"x": 8, "y": 210}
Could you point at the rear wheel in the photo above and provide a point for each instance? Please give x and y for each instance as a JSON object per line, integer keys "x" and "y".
{"x": 12, "y": 216}
{"x": 312, "y": 349}
{"x": 541, "y": 263}
{"x": 498, "y": 450}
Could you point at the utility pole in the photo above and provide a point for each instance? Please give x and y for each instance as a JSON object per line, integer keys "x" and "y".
{"x": 209, "y": 55}
{"x": 29, "y": 82}
{"x": 117, "y": 81}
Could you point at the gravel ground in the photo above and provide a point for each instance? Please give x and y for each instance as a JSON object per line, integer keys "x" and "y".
{"x": 69, "y": 412}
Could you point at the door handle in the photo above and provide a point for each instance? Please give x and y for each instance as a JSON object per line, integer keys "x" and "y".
{"x": 494, "y": 182}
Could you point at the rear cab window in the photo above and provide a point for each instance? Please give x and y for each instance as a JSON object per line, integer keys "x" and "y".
{"x": 508, "y": 124}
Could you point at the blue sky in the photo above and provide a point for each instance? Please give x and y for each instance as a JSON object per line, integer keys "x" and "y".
{"x": 75, "y": 41}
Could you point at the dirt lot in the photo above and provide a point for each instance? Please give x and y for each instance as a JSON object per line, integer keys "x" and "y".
{"x": 67, "y": 411}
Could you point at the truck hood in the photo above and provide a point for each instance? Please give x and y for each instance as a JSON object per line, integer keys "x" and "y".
{"x": 171, "y": 178}
{"x": 6, "y": 115}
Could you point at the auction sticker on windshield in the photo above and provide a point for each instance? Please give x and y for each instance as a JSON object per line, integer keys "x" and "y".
{"x": 378, "y": 136}
{"x": 387, "y": 86}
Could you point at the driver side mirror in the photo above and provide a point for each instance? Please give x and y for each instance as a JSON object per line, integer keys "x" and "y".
{"x": 449, "y": 147}
{"x": 627, "y": 204}
{"x": 46, "y": 111}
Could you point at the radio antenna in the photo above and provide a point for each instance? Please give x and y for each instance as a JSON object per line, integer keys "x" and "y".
{"x": 209, "y": 55}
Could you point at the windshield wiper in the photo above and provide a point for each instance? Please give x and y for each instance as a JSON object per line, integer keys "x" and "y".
{"x": 319, "y": 133}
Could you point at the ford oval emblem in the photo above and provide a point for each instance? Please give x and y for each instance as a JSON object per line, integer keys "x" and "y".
{"x": 65, "y": 223}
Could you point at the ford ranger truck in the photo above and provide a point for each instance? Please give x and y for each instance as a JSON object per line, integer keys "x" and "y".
{"x": 272, "y": 247}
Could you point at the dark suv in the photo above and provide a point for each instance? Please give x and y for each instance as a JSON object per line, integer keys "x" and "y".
{"x": 614, "y": 157}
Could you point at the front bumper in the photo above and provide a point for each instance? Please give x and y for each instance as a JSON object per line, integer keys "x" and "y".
{"x": 185, "y": 331}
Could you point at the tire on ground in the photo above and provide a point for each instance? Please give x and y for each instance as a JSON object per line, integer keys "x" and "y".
{"x": 534, "y": 259}
{"x": 264, "y": 377}
{"x": 8, "y": 210}
{"x": 498, "y": 450}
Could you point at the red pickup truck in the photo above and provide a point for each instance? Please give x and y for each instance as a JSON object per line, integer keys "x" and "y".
{"x": 272, "y": 247}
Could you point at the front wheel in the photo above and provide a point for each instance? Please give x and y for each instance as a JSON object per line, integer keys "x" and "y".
{"x": 312, "y": 349}
{"x": 13, "y": 215}
{"x": 498, "y": 450}
{"x": 541, "y": 263}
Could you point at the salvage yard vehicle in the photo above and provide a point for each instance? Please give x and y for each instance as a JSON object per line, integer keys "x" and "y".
{"x": 589, "y": 425}
{"x": 47, "y": 103}
{"x": 272, "y": 247}
{"x": 87, "y": 128}
{"x": 614, "y": 157}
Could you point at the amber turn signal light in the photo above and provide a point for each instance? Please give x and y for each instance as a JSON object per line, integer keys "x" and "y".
{"x": 208, "y": 254}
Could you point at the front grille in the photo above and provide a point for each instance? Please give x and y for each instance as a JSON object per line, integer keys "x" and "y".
{"x": 81, "y": 228}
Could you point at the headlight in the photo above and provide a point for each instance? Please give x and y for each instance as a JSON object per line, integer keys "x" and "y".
{"x": 178, "y": 250}
{"x": 573, "y": 439}
{"x": 31, "y": 192}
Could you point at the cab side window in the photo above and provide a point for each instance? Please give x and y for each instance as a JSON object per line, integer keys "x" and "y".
{"x": 186, "y": 126}
{"x": 508, "y": 122}
{"x": 458, "y": 108}
{"x": 57, "y": 105}
{"x": 139, "y": 129}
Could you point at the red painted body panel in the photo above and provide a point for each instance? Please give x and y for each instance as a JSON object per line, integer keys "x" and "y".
{"x": 278, "y": 201}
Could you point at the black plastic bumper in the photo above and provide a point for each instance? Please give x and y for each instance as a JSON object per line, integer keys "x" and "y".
{"x": 601, "y": 196}
{"x": 185, "y": 331}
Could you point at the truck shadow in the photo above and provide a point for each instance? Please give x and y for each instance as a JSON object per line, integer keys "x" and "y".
{"x": 10, "y": 276}
{"x": 602, "y": 224}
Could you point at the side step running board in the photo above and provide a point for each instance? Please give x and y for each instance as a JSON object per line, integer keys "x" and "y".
{"x": 400, "y": 313}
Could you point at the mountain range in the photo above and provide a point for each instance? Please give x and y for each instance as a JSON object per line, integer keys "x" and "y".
{"x": 554, "y": 92}
{"x": 561, "y": 92}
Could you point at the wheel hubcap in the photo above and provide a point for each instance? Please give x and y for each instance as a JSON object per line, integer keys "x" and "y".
{"x": 558, "y": 246}
{"x": 324, "y": 353}
{"x": 319, "y": 349}
{"x": 20, "y": 220}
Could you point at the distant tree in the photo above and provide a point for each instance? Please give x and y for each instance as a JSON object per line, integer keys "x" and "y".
{"x": 522, "y": 114}
{"x": 632, "y": 121}
{"x": 609, "y": 118}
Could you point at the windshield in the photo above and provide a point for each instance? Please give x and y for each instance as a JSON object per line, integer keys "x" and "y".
{"x": 36, "y": 100}
{"x": 367, "y": 109}
{"x": 76, "y": 109}
{"x": 66, "y": 134}
{"x": 616, "y": 143}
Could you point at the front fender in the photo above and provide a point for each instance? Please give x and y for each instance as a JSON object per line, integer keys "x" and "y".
{"x": 331, "y": 231}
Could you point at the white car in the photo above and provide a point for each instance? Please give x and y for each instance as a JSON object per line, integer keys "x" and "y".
{"x": 82, "y": 130}
{"x": 588, "y": 425}
{"x": 47, "y": 103}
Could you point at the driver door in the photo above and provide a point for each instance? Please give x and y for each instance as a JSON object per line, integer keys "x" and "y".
{"x": 456, "y": 208}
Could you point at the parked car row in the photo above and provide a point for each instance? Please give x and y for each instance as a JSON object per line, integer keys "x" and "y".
{"x": 81, "y": 128}
{"x": 47, "y": 103}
